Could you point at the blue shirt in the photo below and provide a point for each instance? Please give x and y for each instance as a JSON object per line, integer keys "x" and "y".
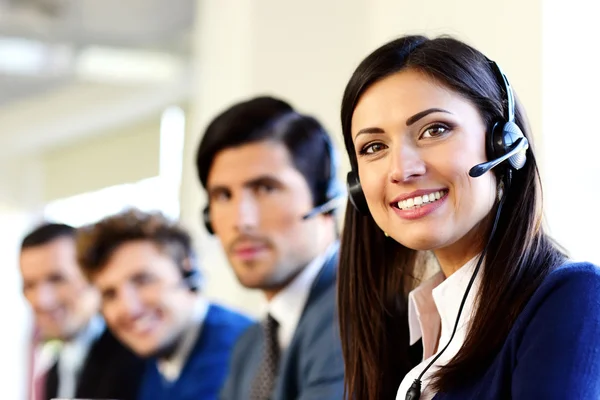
{"x": 207, "y": 365}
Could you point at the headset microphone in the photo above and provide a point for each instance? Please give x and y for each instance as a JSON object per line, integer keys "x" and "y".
{"x": 325, "y": 208}
{"x": 520, "y": 145}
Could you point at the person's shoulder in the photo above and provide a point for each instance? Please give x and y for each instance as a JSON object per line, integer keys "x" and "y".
{"x": 107, "y": 351}
{"x": 223, "y": 315}
{"x": 323, "y": 305}
{"x": 570, "y": 291}
{"x": 246, "y": 342}
{"x": 575, "y": 276}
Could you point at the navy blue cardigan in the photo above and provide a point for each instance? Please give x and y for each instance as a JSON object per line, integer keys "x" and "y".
{"x": 553, "y": 349}
{"x": 207, "y": 366}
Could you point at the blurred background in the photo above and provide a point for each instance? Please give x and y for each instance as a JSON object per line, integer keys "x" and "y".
{"x": 102, "y": 104}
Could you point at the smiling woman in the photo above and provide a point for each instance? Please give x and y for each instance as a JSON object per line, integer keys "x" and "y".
{"x": 411, "y": 141}
{"x": 441, "y": 165}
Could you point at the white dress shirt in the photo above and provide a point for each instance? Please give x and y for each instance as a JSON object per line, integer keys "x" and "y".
{"x": 73, "y": 355}
{"x": 433, "y": 305}
{"x": 171, "y": 369}
{"x": 286, "y": 307}
{"x": 45, "y": 355}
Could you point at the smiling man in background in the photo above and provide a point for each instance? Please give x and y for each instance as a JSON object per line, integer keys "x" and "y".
{"x": 90, "y": 363}
{"x": 145, "y": 268}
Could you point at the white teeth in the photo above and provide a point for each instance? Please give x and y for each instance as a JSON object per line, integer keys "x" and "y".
{"x": 418, "y": 201}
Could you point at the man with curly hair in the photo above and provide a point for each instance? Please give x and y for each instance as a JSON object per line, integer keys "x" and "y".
{"x": 145, "y": 269}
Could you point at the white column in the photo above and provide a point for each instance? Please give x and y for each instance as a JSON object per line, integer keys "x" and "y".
{"x": 571, "y": 134}
{"x": 14, "y": 336}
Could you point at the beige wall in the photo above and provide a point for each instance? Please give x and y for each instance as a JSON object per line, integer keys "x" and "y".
{"x": 118, "y": 156}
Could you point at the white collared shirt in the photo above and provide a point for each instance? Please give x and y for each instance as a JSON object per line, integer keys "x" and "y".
{"x": 432, "y": 305}
{"x": 286, "y": 307}
{"x": 171, "y": 369}
{"x": 72, "y": 356}
{"x": 45, "y": 355}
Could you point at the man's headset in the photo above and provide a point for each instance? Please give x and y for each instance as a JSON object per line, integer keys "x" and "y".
{"x": 334, "y": 193}
{"x": 192, "y": 277}
{"x": 504, "y": 142}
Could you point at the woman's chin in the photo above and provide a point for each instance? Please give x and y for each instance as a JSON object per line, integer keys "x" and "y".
{"x": 421, "y": 243}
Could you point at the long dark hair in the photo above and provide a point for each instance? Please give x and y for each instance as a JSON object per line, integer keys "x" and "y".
{"x": 376, "y": 272}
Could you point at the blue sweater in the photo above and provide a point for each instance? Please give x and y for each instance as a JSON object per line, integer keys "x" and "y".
{"x": 207, "y": 365}
{"x": 553, "y": 349}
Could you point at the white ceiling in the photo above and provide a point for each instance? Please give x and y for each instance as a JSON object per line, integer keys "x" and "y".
{"x": 154, "y": 23}
{"x": 76, "y": 66}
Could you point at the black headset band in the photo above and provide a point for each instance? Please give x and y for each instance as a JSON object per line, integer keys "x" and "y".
{"x": 503, "y": 81}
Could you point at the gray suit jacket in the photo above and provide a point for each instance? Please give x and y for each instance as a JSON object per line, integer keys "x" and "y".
{"x": 312, "y": 366}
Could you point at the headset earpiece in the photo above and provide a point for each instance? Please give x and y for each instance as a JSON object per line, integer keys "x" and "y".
{"x": 501, "y": 140}
{"x": 505, "y": 142}
{"x": 191, "y": 272}
{"x": 206, "y": 220}
{"x": 334, "y": 190}
{"x": 505, "y": 133}
{"x": 355, "y": 193}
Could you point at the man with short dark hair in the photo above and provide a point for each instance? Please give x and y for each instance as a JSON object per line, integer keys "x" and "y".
{"x": 270, "y": 176}
{"x": 91, "y": 363}
{"x": 145, "y": 268}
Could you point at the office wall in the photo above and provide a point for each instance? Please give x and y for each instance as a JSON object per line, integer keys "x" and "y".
{"x": 124, "y": 155}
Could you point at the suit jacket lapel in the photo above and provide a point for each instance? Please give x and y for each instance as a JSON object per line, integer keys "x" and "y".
{"x": 51, "y": 384}
{"x": 325, "y": 278}
{"x": 323, "y": 281}
{"x": 87, "y": 380}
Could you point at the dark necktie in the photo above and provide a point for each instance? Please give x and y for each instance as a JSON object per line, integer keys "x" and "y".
{"x": 51, "y": 389}
{"x": 264, "y": 381}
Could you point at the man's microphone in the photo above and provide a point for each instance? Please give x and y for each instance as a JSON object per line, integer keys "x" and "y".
{"x": 324, "y": 208}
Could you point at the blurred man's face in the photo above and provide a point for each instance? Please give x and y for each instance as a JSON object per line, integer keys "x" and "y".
{"x": 62, "y": 300}
{"x": 145, "y": 301}
{"x": 257, "y": 200}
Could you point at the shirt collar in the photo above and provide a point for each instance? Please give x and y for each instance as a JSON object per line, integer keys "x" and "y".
{"x": 74, "y": 351}
{"x": 286, "y": 307}
{"x": 434, "y": 304}
{"x": 73, "y": 354}
{"x": 171, "y": 369}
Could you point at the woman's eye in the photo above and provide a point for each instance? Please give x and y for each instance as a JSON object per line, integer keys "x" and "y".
{"x": 434, "y": 131}
{"x": 372, "y": 148}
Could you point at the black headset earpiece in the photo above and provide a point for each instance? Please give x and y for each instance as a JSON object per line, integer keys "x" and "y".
{"x": 355, "y": 193}
{"x": 206, "y": 220}
{"x": 191, "y": 273}
{"x": 505, "y": 140}
{"x": 333, "y": 191}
